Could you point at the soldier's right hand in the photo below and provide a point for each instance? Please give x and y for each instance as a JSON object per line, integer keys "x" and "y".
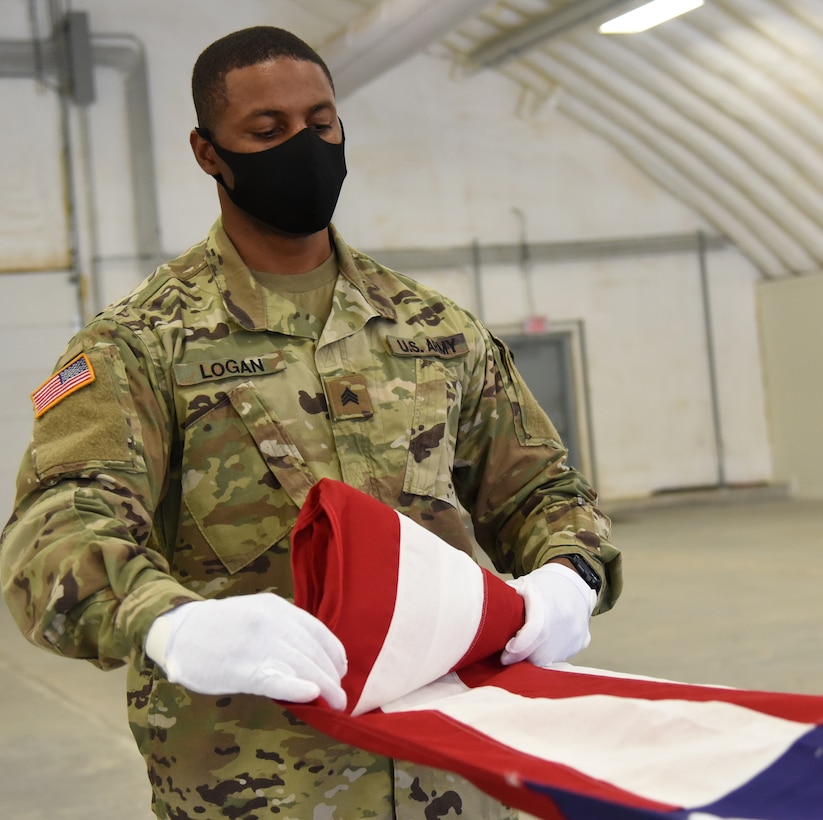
{"x": 254, "y": 644}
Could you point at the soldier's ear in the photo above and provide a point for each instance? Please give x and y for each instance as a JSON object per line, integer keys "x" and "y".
{"x": 203, "y": 152}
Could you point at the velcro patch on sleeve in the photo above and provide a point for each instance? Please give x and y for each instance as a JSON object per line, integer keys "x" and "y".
{"x": 78, "y": 373}
{"x": 92, "y": 430}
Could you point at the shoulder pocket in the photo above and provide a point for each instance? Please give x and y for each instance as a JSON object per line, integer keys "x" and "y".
{"x": 432, "y": 442}
{"x": 531, "y": 423}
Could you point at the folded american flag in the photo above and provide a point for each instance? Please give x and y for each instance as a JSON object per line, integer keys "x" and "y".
{"x": 423, "y": 627}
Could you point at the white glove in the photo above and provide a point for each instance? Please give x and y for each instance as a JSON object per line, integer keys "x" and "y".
{"x": 254, "y": 644}
{"x": 559, "y": 604}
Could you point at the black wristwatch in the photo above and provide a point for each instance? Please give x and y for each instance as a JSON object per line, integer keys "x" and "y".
{"x": 584, "y": 570}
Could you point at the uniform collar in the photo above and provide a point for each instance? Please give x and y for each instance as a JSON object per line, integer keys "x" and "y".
{"x": 359, "y": 292}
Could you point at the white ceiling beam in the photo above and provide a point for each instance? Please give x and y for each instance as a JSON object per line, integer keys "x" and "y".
{"x": 539, "y": 31}
{"x": 387, "y": 35}
{"x": 726, "y": 148}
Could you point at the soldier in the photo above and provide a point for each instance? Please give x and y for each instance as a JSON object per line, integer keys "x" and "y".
{"x": 184, "y": 425}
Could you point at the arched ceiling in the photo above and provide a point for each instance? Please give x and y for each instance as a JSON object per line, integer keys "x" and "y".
{"x": 722, "y": 106}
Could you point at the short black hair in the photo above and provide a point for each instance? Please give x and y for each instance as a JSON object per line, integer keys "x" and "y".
{"x": 248, "y": 46}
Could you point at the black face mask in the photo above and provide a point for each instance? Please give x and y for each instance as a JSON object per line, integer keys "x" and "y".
{"x": 292, "y": 187}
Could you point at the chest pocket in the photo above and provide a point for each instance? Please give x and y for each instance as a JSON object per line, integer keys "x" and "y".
{"x": 433, "y": 434}
{"x": 244, "y": 480}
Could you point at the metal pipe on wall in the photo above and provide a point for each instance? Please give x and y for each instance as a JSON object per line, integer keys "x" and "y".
{"x": 702, "y": 257}
{"x": 127, "y": 55}
{"x": 42, "y": 58}
{"x": 462, "y": 256}
{"x": 477, "y": 274}
{"x": 64, "y": 83}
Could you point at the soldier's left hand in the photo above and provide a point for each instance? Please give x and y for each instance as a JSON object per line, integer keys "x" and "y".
{"x": 559, "y": 605}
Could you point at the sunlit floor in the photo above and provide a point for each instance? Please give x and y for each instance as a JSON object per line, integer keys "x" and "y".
{"x": 721, "y": 587}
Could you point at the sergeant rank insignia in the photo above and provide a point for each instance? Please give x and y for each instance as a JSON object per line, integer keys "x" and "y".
{"x": 348, "y": 398}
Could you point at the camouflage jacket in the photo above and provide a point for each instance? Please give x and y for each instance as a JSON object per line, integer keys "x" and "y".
{"x": 178, "y": 472}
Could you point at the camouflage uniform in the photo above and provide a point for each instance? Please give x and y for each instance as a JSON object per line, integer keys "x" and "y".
{"x": 178, "y": 474}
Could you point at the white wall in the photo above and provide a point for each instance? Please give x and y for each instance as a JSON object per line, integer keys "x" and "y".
{"x": 447, "y": 167}
{"x": 437, "y": 161}
{"x": 40, "y": 306}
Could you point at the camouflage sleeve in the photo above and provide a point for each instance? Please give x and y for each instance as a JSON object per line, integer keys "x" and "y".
{"x": 527, "y": 504}
{"x": 83, "y": 572}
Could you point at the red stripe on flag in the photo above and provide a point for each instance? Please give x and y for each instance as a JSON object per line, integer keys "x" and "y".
{"x": 531, "y": 681}
{"x": 323, "y": 565}
{"x": 504, "y": 612}
{"x": 430, "y": 738}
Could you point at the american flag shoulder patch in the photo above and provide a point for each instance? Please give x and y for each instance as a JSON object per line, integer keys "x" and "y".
{"x": 76, "y": 374}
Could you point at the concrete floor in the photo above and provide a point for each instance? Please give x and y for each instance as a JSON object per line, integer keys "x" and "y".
{"x": 720, "y": 588}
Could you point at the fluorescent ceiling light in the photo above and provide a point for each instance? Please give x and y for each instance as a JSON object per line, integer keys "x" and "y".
{"x": 649, "y": 15}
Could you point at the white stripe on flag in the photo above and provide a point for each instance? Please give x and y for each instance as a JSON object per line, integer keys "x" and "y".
{"x": 681, "y": 752}
{"x": 437, "y": 612}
